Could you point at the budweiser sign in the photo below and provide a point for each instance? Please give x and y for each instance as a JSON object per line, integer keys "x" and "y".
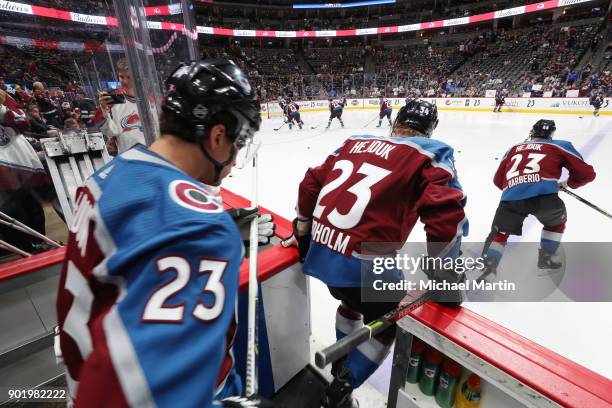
{"x": 510, "y": 12}
{"x": 563, "y": 3}
{"x": 88, "y": 19}
{"x": 15, "y": 7}
{"x": 456, "y": 21}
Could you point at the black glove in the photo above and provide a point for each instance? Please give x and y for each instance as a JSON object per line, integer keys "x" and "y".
{"x": 301, "y": 238}
{"x": 243, "y": 217}
{"x": 435, "y": 271}
{"x": 254, "y": 401}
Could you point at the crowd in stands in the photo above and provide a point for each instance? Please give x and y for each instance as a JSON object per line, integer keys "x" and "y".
{"x": 542, "y": 59}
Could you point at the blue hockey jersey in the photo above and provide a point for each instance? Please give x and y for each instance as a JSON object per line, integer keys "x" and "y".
{"x": 148, "y": 287}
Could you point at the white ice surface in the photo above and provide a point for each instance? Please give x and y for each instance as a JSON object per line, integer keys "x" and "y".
{"x": 579, "y": 331}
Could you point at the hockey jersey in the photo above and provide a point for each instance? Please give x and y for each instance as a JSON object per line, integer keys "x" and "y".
{"x": 373, "y": 189}
{"x": 123, "y": 122}
{"x": 385, "y": 105}
{"x": 596, "y": 100}
{"x": 292, "y": 108}
{"x": 533, "y": 168}
{"x": 148, "y": 287}
{"x": 336, "y": 105}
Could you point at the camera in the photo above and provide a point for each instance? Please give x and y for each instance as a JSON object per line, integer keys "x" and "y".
{"x": 115, "y": 98}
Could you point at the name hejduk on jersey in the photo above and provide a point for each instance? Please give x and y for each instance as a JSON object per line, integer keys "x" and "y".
{"x": 376, "y": 147}
{"x": 529, "y": 146}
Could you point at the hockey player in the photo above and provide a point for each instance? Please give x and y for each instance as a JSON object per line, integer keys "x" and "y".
{"x": 363, "y": 207}
{"x": 293, "y": 114}
{"x": 596, "y": 101}
{"x": 528, "y": 176}
{"x": 148, "y": 287}
{"x": 335, "y": 110}
{"x": 385, "y": 111}
{"x": 118, "y": 117}
{"x": 282, "y": 103}
{"x": 500, "y": 100}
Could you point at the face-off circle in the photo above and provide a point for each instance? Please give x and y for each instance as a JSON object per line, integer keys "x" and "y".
{"x": 194, "y": 197}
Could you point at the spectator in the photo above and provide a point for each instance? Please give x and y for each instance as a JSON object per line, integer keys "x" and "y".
{"x": 48, "y": 109}
{"x": 71, "y": 124}
{"x": 38, "y": 124}
{"x": 120, "y": 122}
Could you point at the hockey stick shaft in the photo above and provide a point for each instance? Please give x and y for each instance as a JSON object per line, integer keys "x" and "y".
{"x": 12, "y": 222}
{"x": 373, "y": 119}
{"x": 588, "y": 203}
{"x": 351, "y": 341}
{"x": 279, "y": 128}
{"x": 251, "y": 361}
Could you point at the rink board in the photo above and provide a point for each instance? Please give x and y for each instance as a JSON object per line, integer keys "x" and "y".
{"x": 572, "y": 106}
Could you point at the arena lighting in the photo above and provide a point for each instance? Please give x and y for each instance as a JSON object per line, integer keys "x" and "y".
{"x": 342, "y": 5}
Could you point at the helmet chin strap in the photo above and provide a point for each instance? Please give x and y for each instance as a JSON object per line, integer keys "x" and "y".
{"x": 217, "y": 164}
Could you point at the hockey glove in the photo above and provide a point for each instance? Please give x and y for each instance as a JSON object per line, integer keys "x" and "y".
{"x": 254, "y": 401}
{"x": 436, "y": 272}
{"x": 243, "y": 217}
{"x": 300, "y": 238}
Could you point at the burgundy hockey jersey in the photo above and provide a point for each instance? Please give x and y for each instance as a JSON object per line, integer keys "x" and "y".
{"x": 533, "y": 168}
{"x": 292, "y": 108}
{"x": 337, "y": 105}
{"x": 373, "y": 189}
{"x": 385, "y": 105}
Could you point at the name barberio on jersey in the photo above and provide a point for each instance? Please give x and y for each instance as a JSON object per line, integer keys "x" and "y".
{"x": 334, "y": 240}
{"x": 527, "y": 178}
{"x": 376, "y": 147}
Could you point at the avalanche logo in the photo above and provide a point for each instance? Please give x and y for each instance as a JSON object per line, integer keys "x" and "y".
{"x": 130, "y": 122}
{"x": 194, "y": 197}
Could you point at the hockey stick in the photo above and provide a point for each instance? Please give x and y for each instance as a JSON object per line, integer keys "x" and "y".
{"x": 373, "y": 119}
{"x": 251, "y": 359}
{"x": 593, "y": 206}
{"x": 279, "y": 128}
{"x": 346, "y": 344}
{"x": 19, "y": 226}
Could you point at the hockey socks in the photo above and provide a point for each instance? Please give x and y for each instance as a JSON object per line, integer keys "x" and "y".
{"x": 496, "y": 249}
{"x": 551, "y": 238}
{"x": 365, "y": 359}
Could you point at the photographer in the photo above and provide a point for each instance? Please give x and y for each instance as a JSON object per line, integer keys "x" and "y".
{"x": 118, "y": 117}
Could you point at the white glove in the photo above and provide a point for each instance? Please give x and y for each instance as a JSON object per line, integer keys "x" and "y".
{"x": 265, "y": 226}
{"x": 563, "y": 184}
